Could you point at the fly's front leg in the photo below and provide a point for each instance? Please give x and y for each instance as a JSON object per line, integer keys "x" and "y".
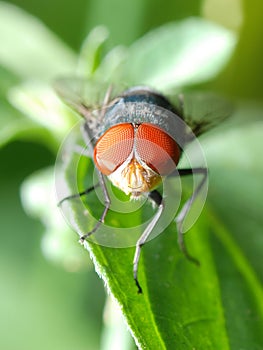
{"x": 157, "y": 199}
{"x": 107, "y": 202}
{"x": 186, "y": 208}
{"x": 77, "y": 195}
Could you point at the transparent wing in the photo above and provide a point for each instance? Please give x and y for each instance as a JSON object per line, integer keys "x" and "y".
{"x": 85, "y": 96}
{"x": 202, "y": 111}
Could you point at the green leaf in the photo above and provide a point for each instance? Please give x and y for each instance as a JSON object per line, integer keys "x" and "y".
{"x": 218, "y": 305}
{"x": 181, "y": 53}
{"x": 28, "y": 49}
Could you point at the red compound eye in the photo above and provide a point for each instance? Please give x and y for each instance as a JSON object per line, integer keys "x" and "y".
{"x": 114, "y": 147}
{"x": 157, "y": 149}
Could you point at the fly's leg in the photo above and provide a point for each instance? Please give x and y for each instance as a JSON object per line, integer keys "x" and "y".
{"x": 186, "y": 208}
{"x": 107, "y": 203}
{"x": 101, "y": 220}
{"x": 90, "y": 141}
{"x": 156, "y": 198}
{"x": 77, "y": 195}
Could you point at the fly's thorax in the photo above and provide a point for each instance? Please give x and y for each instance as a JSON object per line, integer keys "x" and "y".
{"x": 139, "y": 112}
{"x": 136, "y": 156}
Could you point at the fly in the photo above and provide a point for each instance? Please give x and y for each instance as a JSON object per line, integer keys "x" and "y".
{"x": 137, "y": 138}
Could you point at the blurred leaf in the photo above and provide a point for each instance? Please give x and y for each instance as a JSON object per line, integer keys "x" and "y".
{"x": 34, "y": 113}
{"x": 115, "y": 333}
{"x": 216, "y": 11}
{"x": 29, "y": 49}
{"x": 125, "y": 20}
{"x": 243, "y": 76}
{"x": 183, "y": 53}
{"x": 130, "y": 20}
{"x": 38, "y": 102}
{"x": 14, "y": 125}
{"x": 109, "y": 68}
{"x": 236, "y": 185}
{"x": 38, "y": 198}
{"x": 7, "y": 80}
{"x": 89, "y": 58}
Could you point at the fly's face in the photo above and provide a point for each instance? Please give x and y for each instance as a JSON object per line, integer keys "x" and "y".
{"x": 134, "y": 178}
{"x": 136, "y": 156}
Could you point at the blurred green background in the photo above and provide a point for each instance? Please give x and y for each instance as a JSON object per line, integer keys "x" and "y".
{"x": 44, "y": 304}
